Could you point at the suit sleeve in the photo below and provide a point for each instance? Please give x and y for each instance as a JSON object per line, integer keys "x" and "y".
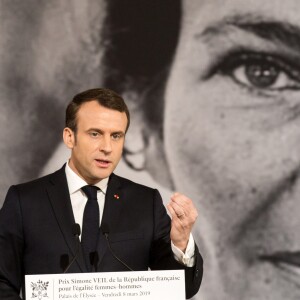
{"x": 11, "y": 247}
{"x": 162, "y": 257}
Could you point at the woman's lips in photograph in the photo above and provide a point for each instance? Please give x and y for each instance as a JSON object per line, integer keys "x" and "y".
{"x": 288, "y": 261}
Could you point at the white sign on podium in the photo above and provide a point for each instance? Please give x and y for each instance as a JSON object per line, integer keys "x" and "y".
{"x": 143, "y": 285}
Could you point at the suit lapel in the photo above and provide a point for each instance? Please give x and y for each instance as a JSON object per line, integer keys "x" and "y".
{"x": 112, "y": 209}
{"x": 59, "y": 197}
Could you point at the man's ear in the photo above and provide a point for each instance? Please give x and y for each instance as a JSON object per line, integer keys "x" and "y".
{"x": 69, "y": 137}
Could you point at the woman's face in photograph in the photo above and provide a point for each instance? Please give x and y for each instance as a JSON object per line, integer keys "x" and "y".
{"x": 232, "y": 140}
{"x": 39, "y": 74}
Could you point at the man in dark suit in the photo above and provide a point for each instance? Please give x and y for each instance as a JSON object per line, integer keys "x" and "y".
{"x": 37, "y": 219}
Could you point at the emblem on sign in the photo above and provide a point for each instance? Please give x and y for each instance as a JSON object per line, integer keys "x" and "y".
{"x": 39, "y": 290}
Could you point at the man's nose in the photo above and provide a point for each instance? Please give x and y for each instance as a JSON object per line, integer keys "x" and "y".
{"x": 105, "y": 144}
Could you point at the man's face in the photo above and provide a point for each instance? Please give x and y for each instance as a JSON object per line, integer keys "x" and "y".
{"x": 232, "y": 140}
{"x": 98, "y": 144}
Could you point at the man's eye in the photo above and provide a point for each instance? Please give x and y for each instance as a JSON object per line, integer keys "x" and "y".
{"x": 261, "y": 71}
{"x": 116, "y": 136}
{"x": 94, "y": 134}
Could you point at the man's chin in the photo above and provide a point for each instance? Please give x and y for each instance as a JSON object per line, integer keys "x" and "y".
{"x": 103, "y": 173}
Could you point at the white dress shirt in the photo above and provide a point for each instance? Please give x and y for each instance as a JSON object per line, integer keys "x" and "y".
{"x": 79, "y": 200}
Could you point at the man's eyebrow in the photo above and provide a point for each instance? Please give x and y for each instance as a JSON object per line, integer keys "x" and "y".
{"x": 262, "y": 26}
{"x": 95, "y": 129}
{"x": 118, "y": 132}
{"x": 101, "y": 131}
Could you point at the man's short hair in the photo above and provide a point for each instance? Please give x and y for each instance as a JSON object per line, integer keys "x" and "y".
{"x": 105, "y": 97}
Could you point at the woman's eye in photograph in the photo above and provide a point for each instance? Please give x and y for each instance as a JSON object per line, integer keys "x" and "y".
{"x": 260, "y": 71}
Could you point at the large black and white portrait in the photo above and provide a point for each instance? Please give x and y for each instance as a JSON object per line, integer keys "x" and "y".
{"x": 214, "y": 92}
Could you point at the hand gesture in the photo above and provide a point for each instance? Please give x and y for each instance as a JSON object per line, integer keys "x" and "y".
{"x": 184, "y": 215}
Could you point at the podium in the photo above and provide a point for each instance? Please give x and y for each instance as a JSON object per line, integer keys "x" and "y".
{"x": 139, "y": 285}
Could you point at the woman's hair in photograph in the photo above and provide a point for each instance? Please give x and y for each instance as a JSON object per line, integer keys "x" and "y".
{"x": 140, "y": 38}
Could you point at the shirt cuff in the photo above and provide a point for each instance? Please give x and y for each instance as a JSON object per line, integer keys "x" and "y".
{"x": 187, "y": 258}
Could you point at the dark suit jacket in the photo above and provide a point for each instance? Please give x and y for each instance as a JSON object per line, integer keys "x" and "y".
{"x": 36, "y": 233}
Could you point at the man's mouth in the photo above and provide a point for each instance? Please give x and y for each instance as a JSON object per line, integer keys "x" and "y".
{"x": 103, "y": 163}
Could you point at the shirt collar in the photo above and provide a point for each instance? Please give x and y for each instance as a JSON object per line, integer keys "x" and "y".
{"x": 75, "y": 182}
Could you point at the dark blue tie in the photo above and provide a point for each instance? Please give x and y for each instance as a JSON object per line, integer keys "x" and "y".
{"x": 90, "y": 226}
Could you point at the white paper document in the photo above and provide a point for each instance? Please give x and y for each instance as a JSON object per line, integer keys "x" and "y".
{"x": 144, "y": 285}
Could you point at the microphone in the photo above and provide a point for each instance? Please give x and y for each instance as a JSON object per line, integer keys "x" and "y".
{"x": 76, "y": 232}
{"x": 105, "y": 231}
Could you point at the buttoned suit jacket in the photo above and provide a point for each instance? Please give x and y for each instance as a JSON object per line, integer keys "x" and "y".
{"x": 36, "y": 235}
